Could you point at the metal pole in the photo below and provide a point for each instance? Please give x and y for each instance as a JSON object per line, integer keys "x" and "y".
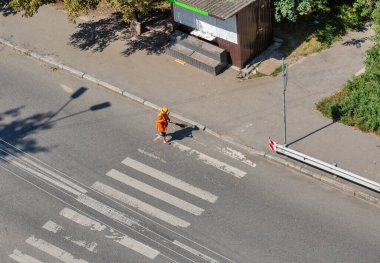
{"x": 284, "y": 83}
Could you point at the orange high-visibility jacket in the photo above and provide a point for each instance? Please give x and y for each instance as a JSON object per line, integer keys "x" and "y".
{"x": 162, "y": 122}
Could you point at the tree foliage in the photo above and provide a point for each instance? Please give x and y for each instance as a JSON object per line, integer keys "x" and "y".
{"x": 129, "y": 8}
{"x": 358, "y": 103}
{"x": 292, "y": 9}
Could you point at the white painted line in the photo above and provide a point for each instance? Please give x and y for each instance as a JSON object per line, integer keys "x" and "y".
{"x": 170, "y": 180}
{"x": 157, "y": 137}
{"x": 81, "y": 219}
{"x": 236, "y": 155}
{"x": 140, "y": 205}
{"x": 83, "y": 243}
{"x": 106, "y": 210}
{"x": 53, "y": 227}
{"x": 67, "y": 88}
{"x": 23, "y": 258}
{"x": 150, "y": 155}
{"x": 152, "y": 191}
{"x": 135, "y": 245}
{"x": 123, "y": 240}
{"x": 53, "y": 250}
{"x": 195, "y": 252}
{"x": 55, "y": 175}
{"x": 36, "y": 173}
{"x": 211, "y": 161}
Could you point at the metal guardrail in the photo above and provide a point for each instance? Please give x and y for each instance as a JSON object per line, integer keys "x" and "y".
{"x": 328, "y": 167}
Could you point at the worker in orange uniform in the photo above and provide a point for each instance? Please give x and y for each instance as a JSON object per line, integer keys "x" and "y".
{"x": 162, "y": 123}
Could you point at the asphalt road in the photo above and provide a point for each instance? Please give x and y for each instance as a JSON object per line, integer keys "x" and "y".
{"x": 83, "y": 179}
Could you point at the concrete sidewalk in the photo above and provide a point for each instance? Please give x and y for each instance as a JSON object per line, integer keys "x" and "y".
{"x": 246, "y": 112}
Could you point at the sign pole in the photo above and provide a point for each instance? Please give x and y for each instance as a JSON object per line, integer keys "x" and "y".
{"x": 284, "y": 84}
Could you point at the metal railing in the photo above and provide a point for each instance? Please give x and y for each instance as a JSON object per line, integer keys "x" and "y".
{"x": 328, "y": 167}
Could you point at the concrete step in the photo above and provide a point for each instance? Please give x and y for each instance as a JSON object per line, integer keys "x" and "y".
{"x": 195, "y": 58}
{"x": 199, "y": 46}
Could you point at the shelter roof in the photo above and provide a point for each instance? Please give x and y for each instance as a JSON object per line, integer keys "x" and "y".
{"x": 222, "y": 9}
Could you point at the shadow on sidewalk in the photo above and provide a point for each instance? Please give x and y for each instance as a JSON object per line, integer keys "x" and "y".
{"x": 5, "y": 10}
{"x": 182, "y": 134}
{"x": 309, "y": 134}
{"x": 99, "y": 34}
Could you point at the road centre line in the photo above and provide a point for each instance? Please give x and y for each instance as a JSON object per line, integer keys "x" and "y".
{"x": 173, "y": 181}
{"x": 55, "y": 175}
{"x": 195, "y": 252}
{"x": 140, "y": 205}
{"x": 164, "y": 243}
{"x": 44, "y": 177}
{"x": 106, "y": 210}
{"x": 55, "y": 228}
{"x": 96, "y": 226}
{"x": 211, "y": 161}
{"x": 53, "y": 250}
{"x": 152, "y": 191}
{"x": 23, "y": 258}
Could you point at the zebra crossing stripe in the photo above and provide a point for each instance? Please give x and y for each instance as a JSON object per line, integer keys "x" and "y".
{"x": 211, "y": 161}
{"x": 23, "y": 258}
{"x": 152, "y": 191}
{"x": 140, "y": 205}
{"x": 54, "y": 227}
{"x": 96, "y": 226}
{"x": 52, "y": 250}
{"x": 173, "y": 181}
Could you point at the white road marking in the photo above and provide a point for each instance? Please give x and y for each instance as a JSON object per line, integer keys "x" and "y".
{"x": 170, "y": 180}
{"x": 152, "y": 191}
{"x": 158, "y": 137}
{"x": 106, "y": 210}
{"x": 151, "y": 155}
{"x": 134, "y": 245}
{"x": 36, "y": 173}
{"x": 83, "y": 243}
{"x": 195, "y": 252}
{"x": 211, "y": 161}
{"x": 236, "y": 155}
{"x": 81, "y": 219}
{"x": 55, "y": 175}
{"x": 53, "y": 227}
{"x": 53, "y": 250}
{"x": 140, "y": 205}
{"x": 23, "y": 258}
{"x": 66, "y": 88}
{"x": 121, "y": 239}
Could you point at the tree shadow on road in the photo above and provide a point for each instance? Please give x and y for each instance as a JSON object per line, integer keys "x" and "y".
{"x": 15, "y": 132}
{"x": 5, "y": 10}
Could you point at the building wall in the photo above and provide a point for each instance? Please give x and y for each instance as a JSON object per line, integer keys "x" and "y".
{"x": 255, "y": 30}
{"x": 224, "y": 29}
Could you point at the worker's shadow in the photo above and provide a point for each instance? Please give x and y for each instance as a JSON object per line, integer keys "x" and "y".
{"x": 183, "y": 133}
